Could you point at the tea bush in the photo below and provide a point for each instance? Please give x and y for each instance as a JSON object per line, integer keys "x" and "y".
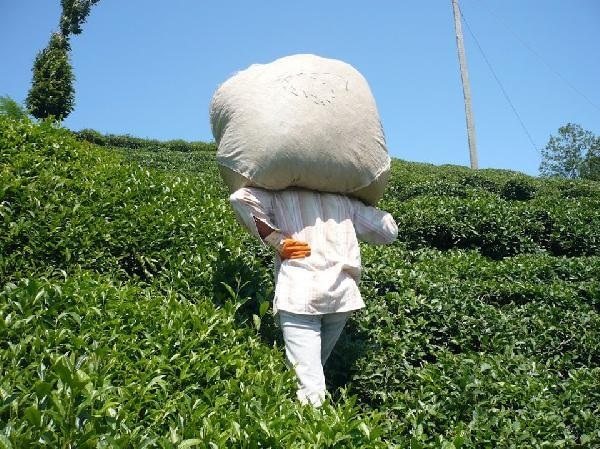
{"x": 130, "y": 142}
{"x": 475, "y": 218}
{"x": 88, "y": 362}
{"x": 495, "y": 353}
{"x": 411, "y": 179}
{"x": 115, "y": 329}
{"x": 133, "y": 310}
{"x": 66, "y": 204}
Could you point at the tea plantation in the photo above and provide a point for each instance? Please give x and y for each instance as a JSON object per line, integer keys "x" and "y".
{"x": 134, "y": 311}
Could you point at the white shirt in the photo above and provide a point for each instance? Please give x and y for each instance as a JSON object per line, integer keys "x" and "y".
{"x": 327, "y": 280}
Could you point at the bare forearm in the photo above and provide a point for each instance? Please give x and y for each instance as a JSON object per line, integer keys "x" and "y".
{"x": 263, "y": 228}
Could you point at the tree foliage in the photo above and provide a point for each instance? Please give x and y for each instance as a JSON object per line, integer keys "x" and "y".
{"x": 74, "y": 14}
{"x": 573, "y": 153}
{"x": 11, "y": 108}
{"x": 52, "y": 92}
{"x": 591, "y": 165}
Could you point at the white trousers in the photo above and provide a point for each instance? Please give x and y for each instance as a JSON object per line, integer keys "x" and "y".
{"x": 309, "y": 340}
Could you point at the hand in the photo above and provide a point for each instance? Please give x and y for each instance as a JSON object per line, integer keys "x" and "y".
{"x": 294, "y": 249}
{"x": 287, "y": 248}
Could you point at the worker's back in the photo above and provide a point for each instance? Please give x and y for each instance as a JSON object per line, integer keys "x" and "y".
{"x": 327, "y": 280}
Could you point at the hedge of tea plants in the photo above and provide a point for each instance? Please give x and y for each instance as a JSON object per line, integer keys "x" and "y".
{"x": 483, "y": 324}
{"x": 134, "y": 310}
{"x": 116, "y": 330}
{"x": 137, "y": 143}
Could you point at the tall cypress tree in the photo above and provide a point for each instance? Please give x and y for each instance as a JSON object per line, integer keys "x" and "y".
{"x": 74, "y": 14}
{"x": 52, "y": 91}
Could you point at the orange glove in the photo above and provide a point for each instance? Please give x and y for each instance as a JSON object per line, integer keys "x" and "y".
{"x": 293, "y": 249}
{"x": 286, "y": 247}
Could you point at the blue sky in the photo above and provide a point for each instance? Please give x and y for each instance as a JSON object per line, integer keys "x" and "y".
{"x": 149, "y": 68}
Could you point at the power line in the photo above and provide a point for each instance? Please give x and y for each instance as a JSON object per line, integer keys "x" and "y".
{"x": 500, "y": 84}
{"x": 537, "y": 55}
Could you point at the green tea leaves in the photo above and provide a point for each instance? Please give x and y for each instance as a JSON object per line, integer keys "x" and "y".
{"x": 134, "y": 312}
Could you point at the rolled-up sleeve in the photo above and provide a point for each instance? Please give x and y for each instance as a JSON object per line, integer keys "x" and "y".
{"x": 373, "y": 225}
{"x": 250, "y": 203}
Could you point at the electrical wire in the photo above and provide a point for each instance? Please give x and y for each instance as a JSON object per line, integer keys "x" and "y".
{"x": 499, "y": 82}
{"x": 537, "y": 55}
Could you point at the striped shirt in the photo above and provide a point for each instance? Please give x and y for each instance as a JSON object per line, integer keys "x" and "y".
{"x": 327, "y": 280}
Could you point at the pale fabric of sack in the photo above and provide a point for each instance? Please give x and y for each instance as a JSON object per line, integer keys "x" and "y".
{"x": 302, "y": 121}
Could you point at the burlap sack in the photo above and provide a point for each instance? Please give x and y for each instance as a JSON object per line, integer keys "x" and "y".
{"x": 301, "y": 121}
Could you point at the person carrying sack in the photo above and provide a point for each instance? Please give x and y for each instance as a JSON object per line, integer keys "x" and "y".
{"x": 317, "y": 268}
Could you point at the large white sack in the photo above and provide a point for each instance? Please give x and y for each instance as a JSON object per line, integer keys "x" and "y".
{"x": 302, "y": 121}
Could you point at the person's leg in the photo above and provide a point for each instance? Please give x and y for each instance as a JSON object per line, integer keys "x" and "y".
{"x": 332, "y": 325}
{"x": 302, "y": 337}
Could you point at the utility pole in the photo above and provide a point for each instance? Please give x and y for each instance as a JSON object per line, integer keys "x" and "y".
{"x": 466, "y": 86}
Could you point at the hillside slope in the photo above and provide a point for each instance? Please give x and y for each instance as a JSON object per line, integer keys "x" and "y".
{"x": 134, "y": 308}
{"x": 115, "y": 328}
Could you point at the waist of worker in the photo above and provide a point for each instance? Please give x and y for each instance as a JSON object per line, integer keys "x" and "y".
{"x": 317, "y": 297}
{"x": 319, "y": 267}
